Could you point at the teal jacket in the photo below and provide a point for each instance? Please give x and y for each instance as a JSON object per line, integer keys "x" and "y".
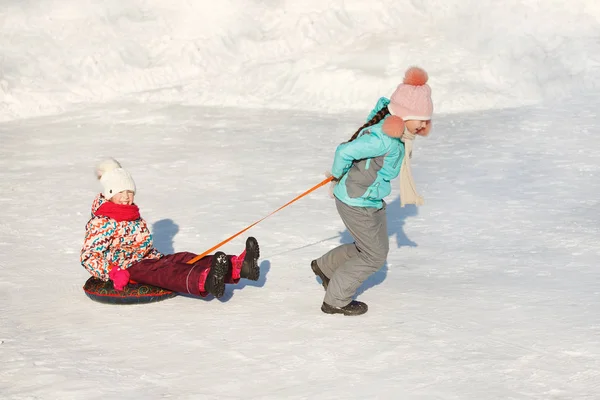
{"x": 367, "y": 165}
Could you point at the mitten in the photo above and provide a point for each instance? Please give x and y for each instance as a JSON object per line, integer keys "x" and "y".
{"x": 119, "y": 276}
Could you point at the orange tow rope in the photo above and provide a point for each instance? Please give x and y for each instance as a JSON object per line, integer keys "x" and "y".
{"x": 312, "y": 189}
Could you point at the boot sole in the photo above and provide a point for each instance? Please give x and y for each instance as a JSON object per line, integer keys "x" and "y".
{"x": 257, "y": 247}
{"x": 216, "y": 276}
{"x": 252, "y": 256}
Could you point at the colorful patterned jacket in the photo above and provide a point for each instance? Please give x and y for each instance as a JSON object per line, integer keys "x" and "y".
{"x": 115, "y": 235}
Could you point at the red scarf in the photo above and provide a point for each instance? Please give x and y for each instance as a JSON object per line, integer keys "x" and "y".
{"x": 118, "y": 212}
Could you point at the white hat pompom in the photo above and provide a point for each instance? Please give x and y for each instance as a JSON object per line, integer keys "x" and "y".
{"x": 114, "y": 178}
{"x": 105, "y": 166}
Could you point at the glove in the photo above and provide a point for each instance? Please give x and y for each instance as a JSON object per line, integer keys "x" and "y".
{"x": 120, "y": 277}
{"x": 332, "y": 184}
{"x": 328, "y": 174}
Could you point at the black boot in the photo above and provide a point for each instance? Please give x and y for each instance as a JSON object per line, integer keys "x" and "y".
{"x": 250, "y": 269}
{"x": 353, "y": 308}
{"x": 215, "y": 281}
{"x": 319, "y": 273}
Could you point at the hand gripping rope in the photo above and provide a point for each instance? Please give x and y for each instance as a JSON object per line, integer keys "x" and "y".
{"x": 312, "y": 189}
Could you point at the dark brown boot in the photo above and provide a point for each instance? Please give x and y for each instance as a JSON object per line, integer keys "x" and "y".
{"x": 215, "y": 281}
{"x": 353, "y": 308}
{"x": 250, "y": 269}
{"x": 319, "y": 273}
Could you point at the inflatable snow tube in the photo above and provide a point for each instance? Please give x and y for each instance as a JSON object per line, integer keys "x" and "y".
{"x": 134, "y": 293}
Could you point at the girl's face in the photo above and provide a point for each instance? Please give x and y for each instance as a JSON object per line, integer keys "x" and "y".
{"x": 416, "y": 127}
{"x": 125, "y": 197}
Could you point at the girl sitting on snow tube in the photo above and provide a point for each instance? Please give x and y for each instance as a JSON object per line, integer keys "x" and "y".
{"x": 118, "y": 246}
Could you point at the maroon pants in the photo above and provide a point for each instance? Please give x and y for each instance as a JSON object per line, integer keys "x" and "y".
{"x": 172, "y": 272}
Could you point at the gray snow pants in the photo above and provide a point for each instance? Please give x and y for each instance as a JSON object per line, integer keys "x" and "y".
{"x": 349, "y": 265}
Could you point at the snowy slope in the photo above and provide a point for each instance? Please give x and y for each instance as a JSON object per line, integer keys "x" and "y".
{"x": 307, "y": 55}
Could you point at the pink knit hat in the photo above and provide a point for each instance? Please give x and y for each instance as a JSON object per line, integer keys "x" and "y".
{"x": 412, "y": 98}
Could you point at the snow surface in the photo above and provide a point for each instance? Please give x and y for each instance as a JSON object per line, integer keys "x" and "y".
{"x": 224, "y": 111}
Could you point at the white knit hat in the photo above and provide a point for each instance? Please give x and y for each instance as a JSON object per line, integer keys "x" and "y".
{"x": 114, "y": 178}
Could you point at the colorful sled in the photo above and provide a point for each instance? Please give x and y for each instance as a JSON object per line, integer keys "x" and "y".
{"x": 134, "y": 293}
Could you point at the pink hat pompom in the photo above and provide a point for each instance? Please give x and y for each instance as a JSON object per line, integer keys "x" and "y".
{"x": 412, "y": 98}
{"x": 415, "y": 76}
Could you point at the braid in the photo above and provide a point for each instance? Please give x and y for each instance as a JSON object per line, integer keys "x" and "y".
{"x": 381, "y": 114}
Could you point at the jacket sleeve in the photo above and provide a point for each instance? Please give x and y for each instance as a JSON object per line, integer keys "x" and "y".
{"x": 382, "y": 102}
{"x": 365, "y": 146}
{"x": 98, "y": 233}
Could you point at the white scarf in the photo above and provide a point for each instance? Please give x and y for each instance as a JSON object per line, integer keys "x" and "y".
{"x": 408, "y": 192}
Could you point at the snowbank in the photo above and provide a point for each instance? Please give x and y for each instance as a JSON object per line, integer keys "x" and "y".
{"x": 330, "y": 56}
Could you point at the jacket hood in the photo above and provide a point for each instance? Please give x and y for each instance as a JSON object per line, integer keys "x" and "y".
{"x": 392, "y": 126}
{"x": 98, "y": 201}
